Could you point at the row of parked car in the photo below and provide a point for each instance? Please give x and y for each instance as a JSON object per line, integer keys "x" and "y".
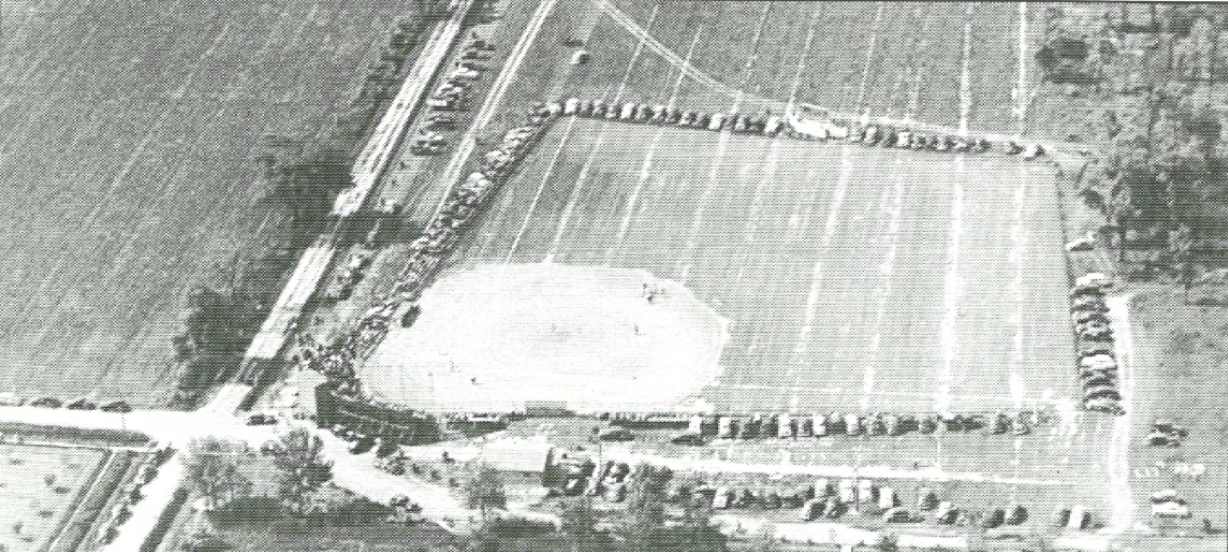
{"x": 121, "y": 511}
{"x": 453, "y": 95}
{"x": 767, "y": 124}
{"x": 700, "y": 429}
{"x": 1097, "y": 364}
{"x": 81, "y": 403}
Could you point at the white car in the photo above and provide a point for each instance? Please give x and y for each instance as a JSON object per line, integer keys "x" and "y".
{"x": 1085, "y": 243}
{"x": 1098, "y": 362}
{"x": 847, "y": 491}
{"x": 865, "y": 491}
{"x": 1094, "y": 279}
{"x": 1171, "y": 510}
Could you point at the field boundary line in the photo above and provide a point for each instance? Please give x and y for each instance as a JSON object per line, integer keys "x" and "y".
{"x": 635, "y": 56}
{"x": 624, "y": 224}
{"x": 540, "y": 188}
{"x": 865, "y": 71}
{"x": 948, "y": 335}
{"x": 1119, "y": 446}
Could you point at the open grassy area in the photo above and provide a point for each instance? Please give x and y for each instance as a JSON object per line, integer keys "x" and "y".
{"x": 126, "y": 167}
{"x": 1180, "y": 375}
{"x": 40, "y": 487}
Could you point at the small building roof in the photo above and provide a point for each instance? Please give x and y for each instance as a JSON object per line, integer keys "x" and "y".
{"x": 518, "y": 455}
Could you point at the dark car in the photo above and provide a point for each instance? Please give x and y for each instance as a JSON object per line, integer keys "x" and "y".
{"x": 116, "y": 406}
{"x": 616, "y": 434}
{"x": 692, "y": 439}
{"x": 47, "y": 402}
{"x": 993, "y": 519}
{"x": 363, "y": 444}
{"x": 81, "y": 404}
{"x": 261, "y": 419}
{"x": 386, "y": 449}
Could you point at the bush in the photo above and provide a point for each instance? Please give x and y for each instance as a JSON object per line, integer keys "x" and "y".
{"x": 252, "y": 509}
{"x": 360, "y": 511}
{"x": 518, "y": 527}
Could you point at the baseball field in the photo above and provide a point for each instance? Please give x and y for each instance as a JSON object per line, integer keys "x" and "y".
{"x": 127, "y": 172}
{"x": 850, "y": 278}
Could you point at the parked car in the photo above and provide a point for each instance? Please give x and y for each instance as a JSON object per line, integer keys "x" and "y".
{"x": 616, "y": 434}
{"x": 363, "y": 444}
{"x": 81, "y": 404}
{"x": 692, "y": 439}
{"x": 116, "y": 406}
{"x": 260, "y": 419}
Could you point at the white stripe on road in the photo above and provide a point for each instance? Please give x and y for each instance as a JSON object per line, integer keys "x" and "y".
{"x": 754, "y": 56}
{"x": 802, "y": 345}
{"x": 1021, "y": 94}
{"x": 887, "y": 269}
{"x": 801, "y": 60}
{"x": 1016, "y": 290}
{"x": 635, "y": 56}
{"x": 714, "y": 175}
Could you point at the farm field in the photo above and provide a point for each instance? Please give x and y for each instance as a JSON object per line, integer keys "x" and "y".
{"x": 903, "y": 61}
{"x": 40, "y": 509}
{"x": 127, "y": 167}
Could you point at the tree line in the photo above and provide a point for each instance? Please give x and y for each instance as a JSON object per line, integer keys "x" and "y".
{"x": 301, "y": 177}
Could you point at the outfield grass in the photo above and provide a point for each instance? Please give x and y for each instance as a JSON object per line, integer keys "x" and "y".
{"x": 127, "y": 173}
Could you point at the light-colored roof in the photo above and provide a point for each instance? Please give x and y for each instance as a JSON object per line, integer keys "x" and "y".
{"x": 517, "y": 455}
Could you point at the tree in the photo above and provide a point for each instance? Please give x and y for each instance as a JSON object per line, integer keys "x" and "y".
{"x": 579, "y": 523}
{"x": 646, "y": 505}
{"x": 484, "y": 490}
{"x": 212, "y": 468}
{"x": 887, "y": 542}
{"x": 298, "y": 455}
{"x": 698, "y": 530}
{"x": 765, "y": 540}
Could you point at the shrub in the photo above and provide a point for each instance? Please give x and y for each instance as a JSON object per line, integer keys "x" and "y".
{"x": 360, "y": 511}
{"x": 252, "y": 509}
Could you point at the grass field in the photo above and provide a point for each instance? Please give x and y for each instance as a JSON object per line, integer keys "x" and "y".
{"x": 28, "y": 500}
{"x": 127, "y": 171}
{"x": 853, "y": 278}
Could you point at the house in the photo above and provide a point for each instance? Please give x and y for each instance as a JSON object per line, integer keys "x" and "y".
{"x": 520, "y": 461}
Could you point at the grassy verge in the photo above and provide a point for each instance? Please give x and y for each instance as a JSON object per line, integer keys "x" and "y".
{"x": 97, "y": 437}
{"x": 95, "y": 500}
{"x": 82, "y": 491}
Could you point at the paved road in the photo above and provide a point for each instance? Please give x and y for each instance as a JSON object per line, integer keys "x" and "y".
{"x": 374, "y": 157}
